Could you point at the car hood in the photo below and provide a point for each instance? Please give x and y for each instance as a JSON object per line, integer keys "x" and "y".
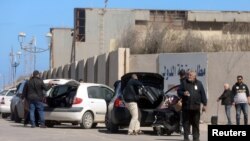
{"x": 148, "y": 79}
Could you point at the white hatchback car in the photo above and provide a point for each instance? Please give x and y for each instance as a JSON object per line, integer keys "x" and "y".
{"x": 77, "y": 103}
{"x": 5, "y": 98}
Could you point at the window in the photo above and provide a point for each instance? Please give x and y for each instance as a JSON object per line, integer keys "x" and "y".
{"x": 80, "y": 25}
{"x": 59, "y": 90}
{"x": 94, "y": 92}
{"x": 11, "y": 93}
{"x": 107, "y": 93}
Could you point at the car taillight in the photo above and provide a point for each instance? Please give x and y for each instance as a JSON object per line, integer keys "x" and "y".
{"x": 2, "y": 101}
{"x": 77, "y": 100}
{"x": 119, "y": 103}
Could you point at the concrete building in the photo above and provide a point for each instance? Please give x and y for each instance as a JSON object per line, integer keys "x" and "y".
{"x": 96, "y": 31}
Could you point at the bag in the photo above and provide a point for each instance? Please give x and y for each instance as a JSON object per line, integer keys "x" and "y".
{"x": 214, "y": 120}
{"x": 178, "y": 105}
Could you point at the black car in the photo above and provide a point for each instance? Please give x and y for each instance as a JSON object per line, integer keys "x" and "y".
{"x": 118, "y": 115}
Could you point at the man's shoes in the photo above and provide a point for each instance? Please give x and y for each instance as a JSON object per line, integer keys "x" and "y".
{"x": 131, "y": 133}
{"x": 43, "y": 126}
{"x": 139, "y": 132}
{"x": 32, "y": 126}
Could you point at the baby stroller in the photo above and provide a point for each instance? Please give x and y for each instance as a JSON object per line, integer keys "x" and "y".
{"x": 167, "y": 116}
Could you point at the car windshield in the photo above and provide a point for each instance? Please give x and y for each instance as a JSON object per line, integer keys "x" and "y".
{"x": 3, "y": 92}
{"x": 11, "y": 93}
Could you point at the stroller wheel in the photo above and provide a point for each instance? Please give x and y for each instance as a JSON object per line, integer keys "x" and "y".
{"x": 169, "y": 133}
{"x": 158, "y": 130}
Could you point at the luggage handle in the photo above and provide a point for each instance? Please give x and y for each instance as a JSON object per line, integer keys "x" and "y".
{"x": 217, "y": 108}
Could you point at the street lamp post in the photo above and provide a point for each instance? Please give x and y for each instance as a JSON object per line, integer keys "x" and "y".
{"x": 15, "y": 61}
{"x": 31, "y": 46}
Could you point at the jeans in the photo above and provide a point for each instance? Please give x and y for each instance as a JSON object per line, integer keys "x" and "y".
{"x": 134, "y": 122}
{"x": 244, "y": 108}
{"x": 228, "y": 114}
{"x": 36, "y": 105}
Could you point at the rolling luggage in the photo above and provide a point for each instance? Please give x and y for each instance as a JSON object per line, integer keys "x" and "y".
{"x": 214, "y": 118}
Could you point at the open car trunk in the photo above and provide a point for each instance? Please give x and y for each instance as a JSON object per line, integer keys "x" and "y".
{"x": 151, "y": 96}
{"x": 62, "y": 95}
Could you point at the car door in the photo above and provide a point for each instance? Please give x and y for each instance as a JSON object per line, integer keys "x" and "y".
{"x": 97, "y": 103}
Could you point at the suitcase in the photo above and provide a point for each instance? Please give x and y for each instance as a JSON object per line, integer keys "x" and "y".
{"x": 214, "y": 118}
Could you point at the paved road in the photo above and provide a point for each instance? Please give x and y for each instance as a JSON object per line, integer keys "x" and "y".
{"x": 10, "y": 131}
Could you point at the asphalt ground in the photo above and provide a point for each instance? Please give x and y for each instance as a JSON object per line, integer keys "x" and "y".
{"x": 11, "y": 131}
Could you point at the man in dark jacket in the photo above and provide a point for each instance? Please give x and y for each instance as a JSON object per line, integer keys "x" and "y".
{"x": 131, "y": 96}
{"x": 35, "y": 96}
{"x": 241, "y": 93}
{"x": 227, "y": 99}
{"x": 193, "y": 95}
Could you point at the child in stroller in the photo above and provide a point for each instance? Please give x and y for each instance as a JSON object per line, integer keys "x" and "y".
{"x": 167, "y": 116}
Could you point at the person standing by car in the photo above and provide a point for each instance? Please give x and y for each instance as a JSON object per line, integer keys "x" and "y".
{"x": 131, "y": 96}
{"x": 193, "y": 95}
{"x": 227, "y": 99}
{"x": 241, "y": 93}
{"x": 35, "y": 96}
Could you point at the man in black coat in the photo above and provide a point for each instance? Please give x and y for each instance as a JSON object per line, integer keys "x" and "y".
{"x": 35, "y": 96}
{"x": 193, "y": 95}
{"x": 131, "y": 97}
{"x": 227, "y": 100}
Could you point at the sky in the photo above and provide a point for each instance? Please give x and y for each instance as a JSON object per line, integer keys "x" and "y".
{"x": 36, "y": 17}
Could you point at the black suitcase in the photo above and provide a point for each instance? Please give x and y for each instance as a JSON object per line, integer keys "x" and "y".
{"x": 214, "y": 120}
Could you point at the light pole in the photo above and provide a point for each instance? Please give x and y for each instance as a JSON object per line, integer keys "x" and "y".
{"x": 31, "y": 46}
{"x": 15, "y": 61}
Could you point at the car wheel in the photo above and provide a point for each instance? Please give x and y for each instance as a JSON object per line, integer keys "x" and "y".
{"x": 17, "y": 118}
{"x": 4, "y": 115}
{"x": 113, "y": 128}
{"x": 49, "y": 124}
{"x": 12, "y": 116}
{"x": 94, "y": 125}
{"x": 87, "y": 120}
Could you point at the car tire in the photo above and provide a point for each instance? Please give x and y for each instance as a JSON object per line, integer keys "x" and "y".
{"x": 87, "y": 120}
{"x": 113, "y": 128}
{"x": 4, "y": 115}
{"x": 94, "y": 125}
{"x": 17, "y": 118}
{"x": 12, "y": 116}
{"x": 49, "y": 124}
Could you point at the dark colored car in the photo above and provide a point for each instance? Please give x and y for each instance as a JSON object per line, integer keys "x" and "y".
{"x": 118, "y": 115}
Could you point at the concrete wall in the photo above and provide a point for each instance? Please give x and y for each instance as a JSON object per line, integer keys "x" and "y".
{"x": 144, "y": 63}
{"x": 102, "y": 68}
{"x": 91, "y": 69}
{"x": 59, "y": 72}
{"x": 65, "y": 72}
{"x": 72, "y": 70}
{"x": 218, "y": 16}
{"x": 101, "y": 27}
{"x": 80, "y": 71}
{"x": 61, "y": 46}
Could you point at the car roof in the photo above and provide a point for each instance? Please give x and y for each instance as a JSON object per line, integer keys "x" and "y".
{"x": 60, "y": 81}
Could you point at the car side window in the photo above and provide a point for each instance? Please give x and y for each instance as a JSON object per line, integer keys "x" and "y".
{"x": 94, "y": 92}
{"x": 11, "y": 93}
{"x": 107, "y": 93}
